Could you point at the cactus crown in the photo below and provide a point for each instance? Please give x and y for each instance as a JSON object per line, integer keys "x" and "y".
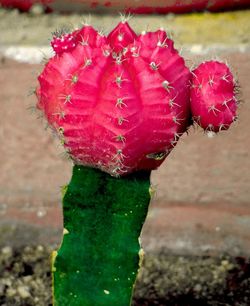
{"x": 121, "y": 102}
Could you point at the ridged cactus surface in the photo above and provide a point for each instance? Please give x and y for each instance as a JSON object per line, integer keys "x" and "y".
{"x": 98, "y": 261}
{"x": 119, "y": 103}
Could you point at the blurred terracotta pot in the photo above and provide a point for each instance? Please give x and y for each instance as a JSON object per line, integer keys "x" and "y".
{"x": 23, "y": 5}
{"x": 134, "y": 6}
{"x": 150, "y": 6}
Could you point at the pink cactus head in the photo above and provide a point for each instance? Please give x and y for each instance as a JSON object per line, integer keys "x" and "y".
{"x": 213, "y": 101}
{"x": 118, "y": 103}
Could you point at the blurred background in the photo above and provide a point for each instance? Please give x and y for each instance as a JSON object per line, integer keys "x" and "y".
{"x": 197, "y": 234}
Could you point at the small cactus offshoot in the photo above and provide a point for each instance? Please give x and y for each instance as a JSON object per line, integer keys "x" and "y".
{"x": 119, "y": 103}
{"x": 213, "y": 100}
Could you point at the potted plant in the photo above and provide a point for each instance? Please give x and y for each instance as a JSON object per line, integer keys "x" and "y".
{"x": 119, "y": 104}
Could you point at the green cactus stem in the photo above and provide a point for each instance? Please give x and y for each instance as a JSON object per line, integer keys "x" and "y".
{"x": 99, "y": 258}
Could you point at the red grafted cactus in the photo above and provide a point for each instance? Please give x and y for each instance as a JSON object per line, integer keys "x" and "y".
{"x": 120, "y": 102}
{"x": 213, "y": 100}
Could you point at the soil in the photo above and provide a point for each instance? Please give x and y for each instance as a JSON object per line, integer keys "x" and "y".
{"x": 163, "y": 280}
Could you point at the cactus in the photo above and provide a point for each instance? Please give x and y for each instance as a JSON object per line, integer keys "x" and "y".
{"x": 213, "y": 100}
{"x": 119, "y": 104}
{"x": 116, "y": 102}
{"x": 99, "y": 258}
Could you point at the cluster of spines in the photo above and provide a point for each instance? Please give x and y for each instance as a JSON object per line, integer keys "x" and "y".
{"x": 63, "y": 42}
